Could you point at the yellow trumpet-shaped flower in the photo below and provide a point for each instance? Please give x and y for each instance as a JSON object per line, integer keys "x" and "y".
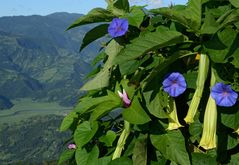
{"x": 209, "y": 138}
{"x": 202, "y": 76}
{"x": 173, "y": 117}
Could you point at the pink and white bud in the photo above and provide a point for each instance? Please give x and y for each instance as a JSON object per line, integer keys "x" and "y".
{"x": 125, "y": 98}
{"x": 71, "y": 146}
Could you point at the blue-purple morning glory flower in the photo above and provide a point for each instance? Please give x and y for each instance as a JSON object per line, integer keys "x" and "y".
{"x": 118, "y": 27}
{"x": 224, "y": 95}
{"x": 174, "y": 84}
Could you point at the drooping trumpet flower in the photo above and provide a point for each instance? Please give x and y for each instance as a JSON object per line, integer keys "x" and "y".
{"x": 173, "y": 117}
{"x": 202, "y": 76}
{"x": 209, "y": 138}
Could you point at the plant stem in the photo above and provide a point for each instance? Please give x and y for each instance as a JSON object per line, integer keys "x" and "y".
{"x": 122, "y": 140}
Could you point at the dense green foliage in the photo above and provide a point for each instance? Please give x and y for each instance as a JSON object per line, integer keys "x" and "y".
{"x": 38, "y": 59}
{"x": 35, "y": 140}
{"x": 156, "y": 128}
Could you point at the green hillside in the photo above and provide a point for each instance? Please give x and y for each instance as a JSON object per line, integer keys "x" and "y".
{"x": 40, "y": 60}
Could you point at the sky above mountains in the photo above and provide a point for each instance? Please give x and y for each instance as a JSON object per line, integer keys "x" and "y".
{"x": 44, "y": 7}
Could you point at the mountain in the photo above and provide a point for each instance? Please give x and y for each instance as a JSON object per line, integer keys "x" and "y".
{"x": 40, "y": 60}
{"x": 5, "y": 103}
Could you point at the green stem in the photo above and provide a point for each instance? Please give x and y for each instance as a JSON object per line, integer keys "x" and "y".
{"x": 202, "y": 76}
{"x": 122, "y": 140}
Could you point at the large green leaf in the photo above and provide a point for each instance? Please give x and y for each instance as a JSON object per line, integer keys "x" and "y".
{"x": 95, "y": 15}
{"x": 84, "y": 133}
{"x": 223, "y": 45}
{"x": 140, "y": 152}
{"x": 95, "y": 33}
{"x": 88, "y": 102}
{"x": 172, "y": 146}
{"x": 203, "y": 159}
{"x": 230, "y": 117}
{"x": 210, "y": 26}
{"x": 235, "y": 3}
{"x": 101, "y": 80}
{"x": 194, "y": 13}
{"x": 148, "y": 42}
{"x": 66, "y": 155}
{"x": 103, "y": 108}
{"x": 68, "y": 120}
{"x": 189, "y": 16}
{"x": 104, "y": 160}
{"x": 136, "y": 16}
{"x": 157, "y": 103}
{"x": 109, "y": 138}
{"x": 135, "y": 114}
{"x": 84, "y": 158}
{"x": 118, "y": 7}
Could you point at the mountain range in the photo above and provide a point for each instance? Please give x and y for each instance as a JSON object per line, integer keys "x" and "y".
{"x": 40, "y": 60}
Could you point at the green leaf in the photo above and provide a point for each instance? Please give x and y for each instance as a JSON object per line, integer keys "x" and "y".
{"x": 121, "y": 161}
{"x": 140, "y": 152}
{"x": 138, "y": 113}
{"x": 95, "y": 33}
{"x": 223, "y": 45}
{"x": 230, "y": 117}
{"x": 98, "y": 58}
{"x": 203, "y": 159}
{"x": 235, "y": 3}
{"x": 66, "y": 155}
{"x": 172, "y": 146}
{"x": 148, "y": 42}
{"x": 68, "y": 120}
{"x": 84, "y": 133}
{"x": 95, "y": 15}
{"x": 210, "y": 26}
{"x": 101, "y": 80}
{"x": 88, "y": 102}
{"x": 157, "y": 103}
{"x": 122, "y": 5}
{"x": 103, "y": 108}
{"x": 118, "y": 7}
{"x": 104, "y": 160}
{"x": 84, "y": 158}
{"x": 195, "y": 130}
{"x": 109, "y": 138}
{"x": 129, "y": 67}
{"x": 136, "y": 16}
{"x": 189, "y": 16}
{"x": 193, "y": 13}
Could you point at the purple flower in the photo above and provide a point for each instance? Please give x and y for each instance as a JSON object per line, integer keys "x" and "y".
{"x": 224, "y": 95}
{"x": 125, "y": 98}
{"x": 174, "y": 84}
{"x": 71, "y": 146}
{"x": 118, "y": 27}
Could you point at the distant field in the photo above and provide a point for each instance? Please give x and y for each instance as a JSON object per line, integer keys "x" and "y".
{"x": 25, "y": 108}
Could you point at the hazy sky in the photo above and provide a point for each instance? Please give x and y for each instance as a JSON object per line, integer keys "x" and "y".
{"x": 44, "y": 7}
